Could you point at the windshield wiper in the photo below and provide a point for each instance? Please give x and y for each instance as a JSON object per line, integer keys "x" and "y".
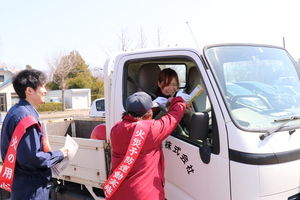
{"x": 286, "y": 118}
{"x": 273, "y": 130}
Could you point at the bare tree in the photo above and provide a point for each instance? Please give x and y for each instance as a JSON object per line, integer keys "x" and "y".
{"x": 97, "y": 72}
{"x": 60, "y": 66}
{"x": 14, "y": 68}
{"x": 159, "y": 33}
{"x": 124, "y": 40}
{"x": 142, "y": 40}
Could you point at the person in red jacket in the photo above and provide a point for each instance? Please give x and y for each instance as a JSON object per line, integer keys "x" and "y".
{"x": 145, "y": 180}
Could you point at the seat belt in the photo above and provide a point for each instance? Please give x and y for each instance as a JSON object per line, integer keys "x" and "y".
{"x": 137, "y": 84}
{"x": 8, "y": 168}
{"x": 154, "y": 96}
{"x": 136, "y": 144}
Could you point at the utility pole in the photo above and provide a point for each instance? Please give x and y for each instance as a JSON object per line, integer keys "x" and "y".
{"x": 283, "y": 42}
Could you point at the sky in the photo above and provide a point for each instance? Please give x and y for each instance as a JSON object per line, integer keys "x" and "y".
{"x": 31, "y": 31}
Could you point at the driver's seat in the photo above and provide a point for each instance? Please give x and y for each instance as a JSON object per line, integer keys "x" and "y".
{"x": 148, "y": 78}
{"x": 194, "y": 79}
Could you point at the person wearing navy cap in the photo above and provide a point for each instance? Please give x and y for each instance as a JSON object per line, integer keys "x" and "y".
{"x": 145, "y": 179}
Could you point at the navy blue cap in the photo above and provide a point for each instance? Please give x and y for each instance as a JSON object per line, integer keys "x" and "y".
{"x": 139, "y": 104}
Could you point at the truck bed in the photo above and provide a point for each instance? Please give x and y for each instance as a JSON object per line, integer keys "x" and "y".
{"x": 88, "y": 166}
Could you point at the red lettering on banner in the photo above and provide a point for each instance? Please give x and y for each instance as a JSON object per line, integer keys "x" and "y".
{"x": 140, "y": 133}
{"x": 11, "y": 158}
{"x": 7, "y": 172}
{"x": 137, "y": 142}
{"x": 14, "y": 142}
{"x": 129, "y": 160}
{"x": 5, "y": 186}
{"x": 120, "y": 173}
{"x": 133, "y": 151}
{"x": 114, "y": 183}
{"x": 107, "y": 189}
{"x": 124, "y": 168}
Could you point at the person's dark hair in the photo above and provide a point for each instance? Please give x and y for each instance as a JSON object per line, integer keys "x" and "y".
{"x": 28, "y": 78}
{"x": 166, "y": 75}
{"x": 138, "y": 117}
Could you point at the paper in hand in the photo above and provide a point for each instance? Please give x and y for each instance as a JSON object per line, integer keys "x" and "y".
{"x": 197, "y": 90}
{"x": 72, "y": 146}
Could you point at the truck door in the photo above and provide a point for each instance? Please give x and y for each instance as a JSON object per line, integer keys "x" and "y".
{"x": 195, "y": 169}
{"x": 198, "y": 169}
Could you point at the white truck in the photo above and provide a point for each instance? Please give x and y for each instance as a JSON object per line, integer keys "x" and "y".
{"x": 243, "y": 141}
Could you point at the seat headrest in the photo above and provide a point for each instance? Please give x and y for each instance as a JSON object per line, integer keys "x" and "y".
{"x": 148, "y": 76}
{"x": 193, "y": 79}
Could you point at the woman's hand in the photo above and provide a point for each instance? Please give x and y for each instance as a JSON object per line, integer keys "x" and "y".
{"x": 189, "y": 107}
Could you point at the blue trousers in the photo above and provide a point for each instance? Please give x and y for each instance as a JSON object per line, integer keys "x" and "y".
{"x": 30, "y": 190}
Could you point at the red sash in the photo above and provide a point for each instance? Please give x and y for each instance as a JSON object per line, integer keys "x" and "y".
{"x": 136, "y": 143}
{"x": 8, "y": 168}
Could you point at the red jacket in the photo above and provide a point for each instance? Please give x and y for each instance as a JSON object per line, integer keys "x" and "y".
{"x": 145, "y": 180}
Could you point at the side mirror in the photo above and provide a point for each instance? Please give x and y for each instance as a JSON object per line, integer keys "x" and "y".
{"x": 199, "y": 126}
{"x": 199, "y": 131}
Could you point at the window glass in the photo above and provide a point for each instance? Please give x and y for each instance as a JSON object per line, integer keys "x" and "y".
{"x": 260, "y": 84}
{"x": 143, "y": 75}
{"x": 14, "y": 99}
{"x": 100, "y": 105}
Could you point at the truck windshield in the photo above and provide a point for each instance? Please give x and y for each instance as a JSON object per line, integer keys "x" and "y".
{"x": 260, "y": 84}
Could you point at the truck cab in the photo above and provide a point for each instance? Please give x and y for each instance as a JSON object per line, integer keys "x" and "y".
{"x": 241, "y": 146}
